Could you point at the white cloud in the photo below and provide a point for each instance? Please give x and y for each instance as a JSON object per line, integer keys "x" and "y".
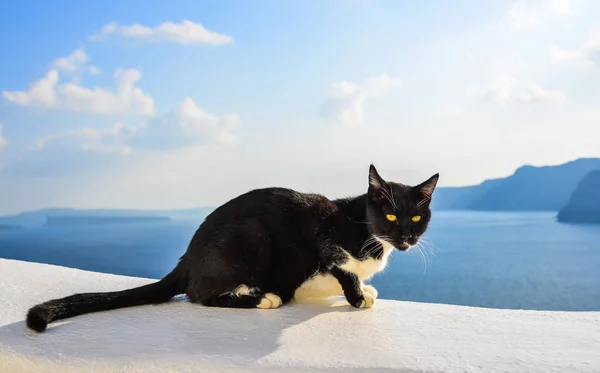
{"x": 88, "y": 139}
{"x": 47, "y": 93}
{"x": 72, "y": 62}
{"x": 40, "y": 94}
{"x": 586, "y": 55}
{"x": 530, "y": 14}
{"x": 506, "y": 89}
{"x": 3, "y": 141}
{"x": 186, "y": 32}
{"x": 94, "y": 70}
{"x": 83, "y": 151}
{"x": 346, "y": 99}
{"x": 89, "y": 149}
{"x": 187, "y": 125}
{"x": 75, "y": 65}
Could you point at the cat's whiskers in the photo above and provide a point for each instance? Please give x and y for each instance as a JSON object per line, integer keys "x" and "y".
{"x": 418, "y": 246}
{"x": 370, "y": 240}
{"x": 383, "y": 237}
{"x": 426, "y": 248}
{"x": 372, "y": 244}
{"x": 429, "y": 247}
{"x": 371, "y": 251}
{"x": 426, "y": 254}
{"x": 377, "y": 237}
{"x": 431, "y": 244}
{"x": 368, "y": 244}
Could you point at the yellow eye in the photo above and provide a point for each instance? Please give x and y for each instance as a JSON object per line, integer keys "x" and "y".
{"x": 416, "y": 219}
{"x": 391, "y": 217}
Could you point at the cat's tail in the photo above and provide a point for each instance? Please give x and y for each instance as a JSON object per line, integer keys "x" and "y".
{"x": 38, "y": 317}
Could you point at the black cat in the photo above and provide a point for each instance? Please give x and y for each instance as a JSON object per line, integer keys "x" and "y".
{"x": 268, "y": 246}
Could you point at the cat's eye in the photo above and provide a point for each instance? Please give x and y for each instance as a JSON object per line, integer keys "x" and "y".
{"x": 416, "y": 219}
{"x": 391, "y": 217}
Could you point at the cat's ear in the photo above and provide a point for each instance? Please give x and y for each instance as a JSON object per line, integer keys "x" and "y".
{"x": 426, "y": 188}
{"x": 376, "y": 185}
{"x": 375, "y": 181}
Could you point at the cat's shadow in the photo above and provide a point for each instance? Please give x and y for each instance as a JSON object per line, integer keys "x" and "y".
{"x": 178, "y": 328}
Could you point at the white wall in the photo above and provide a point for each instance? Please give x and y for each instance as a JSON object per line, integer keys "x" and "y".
{"x": 320, "y": 337}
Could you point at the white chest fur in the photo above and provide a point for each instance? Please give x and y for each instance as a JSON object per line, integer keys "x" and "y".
{"x": 323, "y": 286}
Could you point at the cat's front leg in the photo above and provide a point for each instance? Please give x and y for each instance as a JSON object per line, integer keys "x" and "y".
{"x": 353, "y": 288}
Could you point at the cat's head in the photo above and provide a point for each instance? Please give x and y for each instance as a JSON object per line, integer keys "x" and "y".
{"x": 398, "y": 213}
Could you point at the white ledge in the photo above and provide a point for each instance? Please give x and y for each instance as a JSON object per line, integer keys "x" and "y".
{"x": 319, "y": 337}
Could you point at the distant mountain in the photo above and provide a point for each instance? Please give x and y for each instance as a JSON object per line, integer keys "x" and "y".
{"x": 86, "y": 220}
{"x": 38, "y": 217}
{"x": 584, "y": 204}
{"x": 457, "y": 198}
{"x": 546, "y": 188}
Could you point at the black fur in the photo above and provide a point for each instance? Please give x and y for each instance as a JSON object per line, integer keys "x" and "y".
{"x": 272, "y": 240}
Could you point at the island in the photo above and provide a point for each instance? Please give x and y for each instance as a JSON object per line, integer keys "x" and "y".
{"x": 584, "y": 204}
{"x": 61, "y": 221}
{"x": 37, "y": 218}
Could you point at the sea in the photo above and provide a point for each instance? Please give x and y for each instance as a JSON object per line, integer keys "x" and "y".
{"x": 510, "y": 260}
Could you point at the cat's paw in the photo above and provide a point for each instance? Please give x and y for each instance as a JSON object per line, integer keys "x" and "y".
{"x": 269, "y": 301}
{"x": 371, "y": 290}
{"x": 368, "y": 300}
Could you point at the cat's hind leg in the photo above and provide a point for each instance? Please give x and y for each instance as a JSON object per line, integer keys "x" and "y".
{"x": 242, "y": 296}
{"x": 246, "y": 297}
{"x": 256, "y": 300}
{"x": 229, "y": 269}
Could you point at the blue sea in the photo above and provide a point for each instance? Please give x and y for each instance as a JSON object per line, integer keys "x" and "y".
{"x": 504, "y": 260}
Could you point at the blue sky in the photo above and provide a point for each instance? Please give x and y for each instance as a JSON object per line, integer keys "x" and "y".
{"x": 178, "y": 104}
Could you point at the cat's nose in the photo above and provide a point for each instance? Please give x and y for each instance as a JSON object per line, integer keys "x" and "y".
{"x": 408, "y": 238}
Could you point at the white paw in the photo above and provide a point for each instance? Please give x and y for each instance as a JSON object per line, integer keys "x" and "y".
{"x": 371, "y": 290}
{"x": 368, "y": 302}
{"x": 269, "y": 301}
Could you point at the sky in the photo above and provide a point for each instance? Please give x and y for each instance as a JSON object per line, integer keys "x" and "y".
{"x": 177, "y": 104}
